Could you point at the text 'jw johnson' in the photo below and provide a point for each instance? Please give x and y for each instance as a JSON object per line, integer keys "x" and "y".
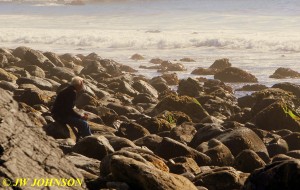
{"x": 42, "y": 182}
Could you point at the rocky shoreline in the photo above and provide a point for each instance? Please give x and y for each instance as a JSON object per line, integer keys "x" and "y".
{"x": 147, "y": 136}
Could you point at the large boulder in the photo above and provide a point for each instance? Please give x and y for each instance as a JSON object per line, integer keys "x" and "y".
{"x": 206, "y": 133}
{"x": 190, "y": 87}
{"x": 221, "y": 178}
{"x": 247, "y": 161}
{"x": 277, "y": 116}
{"x": 34, "y": 57}
{"x": 6, "y": 76}
{"x": 96, "y": 147}
{"x": 54, "y": 59}
{"x": 185, "y": 104}
{"x": 142, "y": 176}
{"x": 282, "y": 73}
{"x": 166, "y": 149}
{"x": 59, "y": 131}
{"x": 38, "y": 82}
{"x": 26, "y": 152}
{"x": 62, "y": 73}
{"x": 132, "y": 131}
{"x": 140, "y": 154}
{"x": 144, "y": 87}
{"x": 220, "y": 155}
{"x": 35, "y": 71}
{"x": 220, "y": 64}
{"x": 289, "y": 87}
{"x": 34, "y": 96}
{"x": 278, "y": 175}
{"x": 233, "y": 74}
{"x": 241, "y": 138}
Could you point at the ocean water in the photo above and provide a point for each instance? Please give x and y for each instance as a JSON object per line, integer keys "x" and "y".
{"x": 258, "y": 36}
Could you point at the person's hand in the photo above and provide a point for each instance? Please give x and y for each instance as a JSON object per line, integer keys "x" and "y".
{"x": 85, "y": 116}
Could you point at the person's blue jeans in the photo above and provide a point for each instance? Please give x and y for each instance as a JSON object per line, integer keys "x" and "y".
{"x": 80, "y": 124}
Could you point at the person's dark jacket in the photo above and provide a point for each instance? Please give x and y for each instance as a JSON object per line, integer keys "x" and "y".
{"x": 64, "y": 104}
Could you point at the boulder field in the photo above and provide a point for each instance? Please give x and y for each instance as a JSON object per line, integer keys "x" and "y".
{"x": 146, "y": 135}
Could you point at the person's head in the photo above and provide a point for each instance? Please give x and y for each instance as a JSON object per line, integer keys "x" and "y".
{"x": 77, "y": 82}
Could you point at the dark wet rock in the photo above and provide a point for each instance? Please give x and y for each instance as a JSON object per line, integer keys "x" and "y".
{"x": 89, "y": 165}
{"x": 10, "y": 86}
{"x": 156, "y": 61}
{"x": 132, "y": 131}
{"x": 277, "y": 116}
{"x": 233, "y": 74}
{"x": 96, "y": 147}
{"x": 187, "y": 59}
{"x": 280, "y": 158}
{"x": 38, "y": 82}
{"x": 59, "y": 131}
{"x": 206, "y": 132}
{"x": 277, "y": 146}
{"x": 220, "y": 155}
{"x": 165, "y": 151}
{"x": 21, "y": 155}
{"x": 183, "y": 133}
{"x": 294, "y": 154}
{"x": 155, "y": 125}
{"x": 144, "y": 87}
{"x": 242, "y": 138}
{"x": 6, "y": 76}
{"x": 142, "y": 176}
{"x": 185, "y": 104}
{"x": 35, "y": 71}
{"x": 137, "y": 57}
{"x": 144, "y": 98}
{"x": 171, "y": 78}
{"x": 204, "y": 71}
{"x": 118, "y": 142}
{"x": 221, "y": 178}
{"x": 289, "y": 87}
{"x": 283, "y": 132}
{"x": 278, "y": 175}
{"x": 150, "y": 141}
{"x": 293, "y": 140}
{"x": 180, "y": 165}
{"x": 221, "y": 64}
{"x": 282, "y": 73}
{"x": 247, "y": 161}
{"x": 252, "y": 87}
{"x": 190, "y": 87}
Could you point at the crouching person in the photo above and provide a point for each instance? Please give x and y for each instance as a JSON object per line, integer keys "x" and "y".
{"x": 64, "y": 103}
